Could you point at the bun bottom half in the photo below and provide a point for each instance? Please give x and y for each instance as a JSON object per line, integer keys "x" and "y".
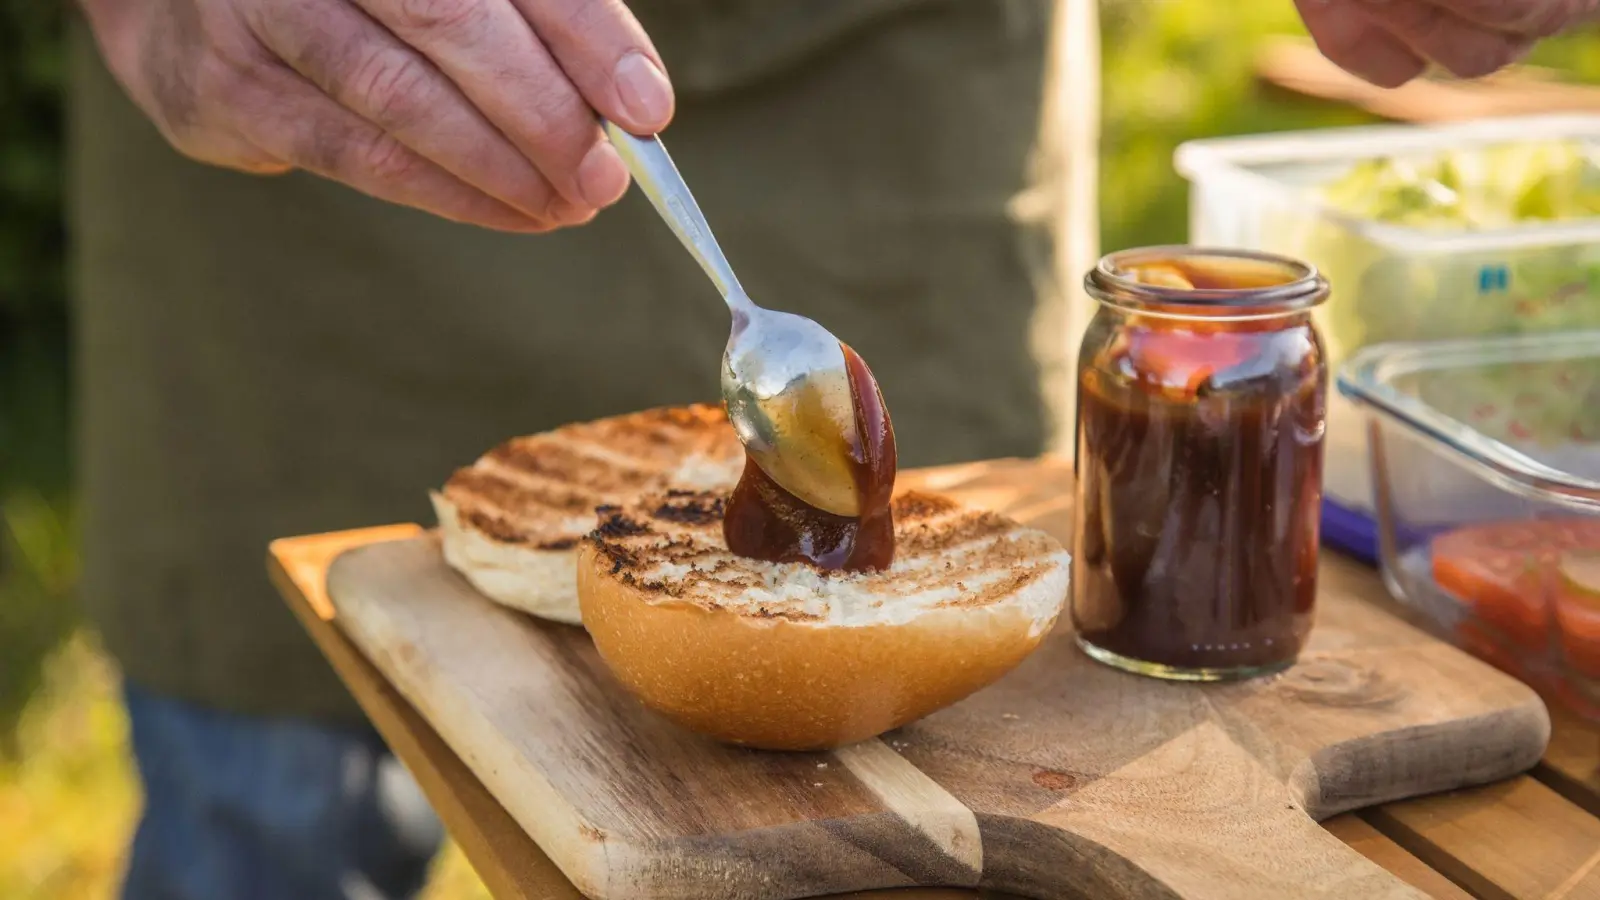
{"x": 772, "y": 683}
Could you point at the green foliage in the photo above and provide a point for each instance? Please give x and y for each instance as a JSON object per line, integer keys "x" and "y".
{"x": 1177, "y": 70}
{"x": 37, "y": 558}
{"x": 37, "y": 555}
{"x": 31, "y": 233}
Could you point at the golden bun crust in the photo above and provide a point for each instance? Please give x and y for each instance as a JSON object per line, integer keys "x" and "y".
{"x": 783, "y": 657}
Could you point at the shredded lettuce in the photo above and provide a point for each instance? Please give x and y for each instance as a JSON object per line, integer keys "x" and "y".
{"x": 1493, "y": 186}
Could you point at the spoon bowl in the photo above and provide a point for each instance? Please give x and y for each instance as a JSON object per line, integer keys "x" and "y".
{"x": 787, "y": 392}
{"x": 784, "y": 379}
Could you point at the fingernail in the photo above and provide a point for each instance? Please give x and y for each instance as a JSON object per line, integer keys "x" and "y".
{"x": 645, "y": 92}
{"x": 602, "y": 178}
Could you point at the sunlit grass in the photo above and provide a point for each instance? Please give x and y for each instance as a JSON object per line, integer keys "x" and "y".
{"x": 67, "y": 796}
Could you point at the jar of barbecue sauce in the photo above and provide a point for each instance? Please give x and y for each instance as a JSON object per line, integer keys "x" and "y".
{"x": 1202, "y": 387}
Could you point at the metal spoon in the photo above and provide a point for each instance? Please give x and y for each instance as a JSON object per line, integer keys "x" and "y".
{"x": 783, "y": 376}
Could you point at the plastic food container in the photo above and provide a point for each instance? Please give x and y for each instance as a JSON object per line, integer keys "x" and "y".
{"x": 1485, "y": 464}
{"x": 1395, "y": 282}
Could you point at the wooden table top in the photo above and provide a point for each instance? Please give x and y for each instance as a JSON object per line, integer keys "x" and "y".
{"x": 1533, "y": 836}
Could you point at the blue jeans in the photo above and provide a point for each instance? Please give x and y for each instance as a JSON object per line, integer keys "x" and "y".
{"x": 241, "y": 808}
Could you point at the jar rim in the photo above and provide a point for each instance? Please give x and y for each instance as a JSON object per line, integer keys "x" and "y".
{"x": 1303, "y": 288}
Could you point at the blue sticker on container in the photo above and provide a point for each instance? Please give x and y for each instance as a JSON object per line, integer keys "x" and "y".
{"x": 1494, "y": 278}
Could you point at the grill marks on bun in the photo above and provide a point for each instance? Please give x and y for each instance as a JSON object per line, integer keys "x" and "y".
{"x": 671, "y": 548}
{"x": 531, "y": 490}
{"x": 511, "y": 520}
{"x": 617, "y": 525}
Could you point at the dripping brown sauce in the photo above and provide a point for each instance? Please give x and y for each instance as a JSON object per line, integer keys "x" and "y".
{"x": 1199, "y": 469}
{"x": 764, "y": 521}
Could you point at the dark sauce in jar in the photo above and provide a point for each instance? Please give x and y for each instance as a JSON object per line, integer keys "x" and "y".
{"x": 765, "y": 521}
{"x": 1200, "y": 430}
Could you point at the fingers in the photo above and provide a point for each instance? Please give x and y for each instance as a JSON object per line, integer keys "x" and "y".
{"x": 225, "y": 148}
{"x": 1527, "y": 18}
{"x": 606, "y": 53}
{"x": 1356, "y": 44}
{"x": 1388, "y": 42}
{"x": 1464, "y": 48}
{"x": 498, "y": 62}
{"x": 214, "y": 79}
{"x": 263, "y": 165}
{"x": 159, "y": 63}
{"x": 289, "y": 119}
{"x": 370, "y": 72}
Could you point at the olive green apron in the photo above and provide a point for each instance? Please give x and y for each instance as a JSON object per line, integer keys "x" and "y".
{"x": 260, "y": 357}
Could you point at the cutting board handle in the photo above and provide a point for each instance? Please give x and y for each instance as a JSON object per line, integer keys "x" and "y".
{"x": 1138, "y": 832}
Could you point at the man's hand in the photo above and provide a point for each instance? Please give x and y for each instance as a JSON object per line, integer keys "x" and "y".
{"x": 481, "y": 111}
{"x": 1390, "y": 42}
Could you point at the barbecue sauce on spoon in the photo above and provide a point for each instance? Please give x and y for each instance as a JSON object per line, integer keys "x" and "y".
{"x": 765, "y": 521}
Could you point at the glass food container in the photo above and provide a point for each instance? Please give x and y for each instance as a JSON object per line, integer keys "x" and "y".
{"x": 1441, "y": 231}
{"x": 1485, "y": 460}
{"x": 1201, "y": 402}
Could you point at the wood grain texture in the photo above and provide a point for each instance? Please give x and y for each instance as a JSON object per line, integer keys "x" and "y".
{"x": 1517, "y": 839}
{"x": 508, "y": 863}
{"x": 1571, "y": 764}
{"x": 514, "y": 868}
{"x": 1065, "y": 779}
{"x": 1374, "y": 845}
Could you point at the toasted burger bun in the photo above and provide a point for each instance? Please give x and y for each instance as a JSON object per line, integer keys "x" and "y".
{"x": 511, "y": 521}
{"x": 782, "y": 656}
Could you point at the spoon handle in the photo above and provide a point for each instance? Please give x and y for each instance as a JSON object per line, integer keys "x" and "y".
{"x": 647, "y": 159}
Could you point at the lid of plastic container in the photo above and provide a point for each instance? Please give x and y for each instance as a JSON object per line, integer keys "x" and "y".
{"x": 1320, "y": 145}
{"x": 1287, "y": 166}
{"x": 1524, "y": 410}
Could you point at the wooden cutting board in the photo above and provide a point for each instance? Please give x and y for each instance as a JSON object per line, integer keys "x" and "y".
{"x": 1066, "y": 779}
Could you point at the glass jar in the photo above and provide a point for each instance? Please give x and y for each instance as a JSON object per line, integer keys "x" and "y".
{"x": 1202, "y": 389}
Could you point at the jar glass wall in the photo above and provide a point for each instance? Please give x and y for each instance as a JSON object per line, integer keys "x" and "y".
{"x": 1201, "y": 403}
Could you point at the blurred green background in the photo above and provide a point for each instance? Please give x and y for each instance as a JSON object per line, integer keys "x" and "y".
{"x": 1173, "y": 70}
